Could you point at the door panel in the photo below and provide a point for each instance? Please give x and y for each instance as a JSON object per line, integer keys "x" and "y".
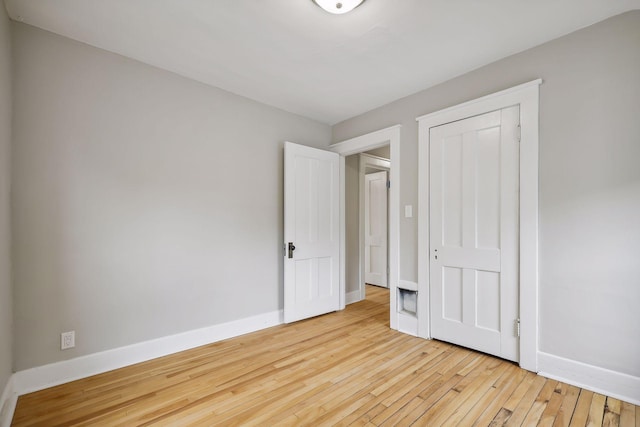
{"x": 312, "y": 225}
{"x": 375, "y": 226}
{"x": 452, "y": 294}
{"x": 474, "y": 232}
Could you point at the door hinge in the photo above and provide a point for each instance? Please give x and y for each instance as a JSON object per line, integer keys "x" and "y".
{"x": 290, "y": 248}
{"x": 519, "y": 133}
{"x": 388, "y": 184}
{"x": 517, "y": 322}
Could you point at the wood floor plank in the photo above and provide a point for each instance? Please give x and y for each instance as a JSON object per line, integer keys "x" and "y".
{"x": 487, "y": 396}
{"x": 344, "y": 368}
{"x": 596, "y": 411}
{"x": 308, "y": 401}
{"x": 501, "y": 391}
{"x": 429, "y": 388}
{"x": 627, "y": 415}
{"x": 563, "y": 417}
{"x": 524, "y": 405}
{"x": 355, "y": 419}
{"x": 612, "y": 410}
{"x": 400, "y": 413}
{"x": 501, "y": 418}
{"x": 540, "y": 403}
{"x": 472, "y": 394}
{"x": 515, "y": 398}
{"x": 581, "y": 413}
{"x": 423, "y": 414}
{"x": 552, "y": 407}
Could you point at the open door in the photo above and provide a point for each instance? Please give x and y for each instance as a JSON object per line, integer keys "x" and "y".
{"x": 311, "y": 232}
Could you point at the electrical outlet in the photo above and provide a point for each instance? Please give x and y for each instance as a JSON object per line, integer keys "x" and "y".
{"x": 67, "y": 340}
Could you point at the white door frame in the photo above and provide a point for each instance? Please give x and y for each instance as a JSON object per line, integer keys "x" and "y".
{"x": 388, "y": 136}
{"x": 373, "y": 162}
{"x": 527, "y": 96}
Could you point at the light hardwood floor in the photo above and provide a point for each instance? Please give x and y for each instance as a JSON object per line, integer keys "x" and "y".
{"x": 345, "y": 368}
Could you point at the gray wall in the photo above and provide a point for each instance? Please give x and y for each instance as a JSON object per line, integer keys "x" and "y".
{"x": 384, "y": 152}
{"x": 145, "y": 204}
{"x": 589, "y": 183}
{"x": 352, "y": 221}
{"x": 6, "y": 339}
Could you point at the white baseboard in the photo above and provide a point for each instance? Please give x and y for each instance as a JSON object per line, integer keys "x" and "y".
{"x": 42, "y": 377}
{"x": 8, "y": 401}
{"x": 352, "y": 297}
{"x": 610, "y": 383}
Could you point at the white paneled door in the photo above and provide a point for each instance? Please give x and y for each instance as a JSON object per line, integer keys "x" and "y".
{"x": 474, "y": 184}
{"x": 375, "y": 226}
{"x": 311, "y": 231}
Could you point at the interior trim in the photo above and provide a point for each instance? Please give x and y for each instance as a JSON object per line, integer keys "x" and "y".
{"x": 527, "y": 97}
{"x": 379, "y": 138}
{"x": 604, "y": 381}
{"x": 8, "y": 401}
{"x": 46, "y": 376}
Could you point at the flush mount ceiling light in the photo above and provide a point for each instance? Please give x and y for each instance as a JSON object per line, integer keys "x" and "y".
{"x": 338, "y": 6}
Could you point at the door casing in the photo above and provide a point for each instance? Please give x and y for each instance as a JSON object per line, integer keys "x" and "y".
{"x": 367, "y": 161}
{"x": 387, "y": 136}
{"x": 527, "y": 97}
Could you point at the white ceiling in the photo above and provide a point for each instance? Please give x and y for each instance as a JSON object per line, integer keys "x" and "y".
{"x": 293, "y": 55}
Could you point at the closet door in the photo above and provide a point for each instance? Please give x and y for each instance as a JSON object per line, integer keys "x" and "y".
{"x": 474, "y": 232}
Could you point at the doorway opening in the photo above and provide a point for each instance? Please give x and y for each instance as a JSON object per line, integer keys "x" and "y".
{"x": 375, "y": 140}
{"x": 367, "y": 221}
